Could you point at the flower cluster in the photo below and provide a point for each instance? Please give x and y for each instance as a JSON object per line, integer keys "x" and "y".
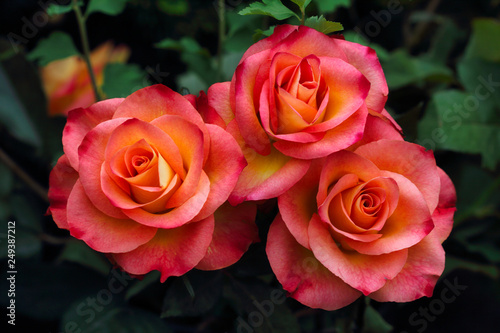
{"x": 160, "y": 181}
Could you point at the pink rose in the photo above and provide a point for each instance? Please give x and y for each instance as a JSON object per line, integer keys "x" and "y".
{"x": 144, "y": 180}
{"x": 295, "y": 96}
{"x": 365, "y": 222}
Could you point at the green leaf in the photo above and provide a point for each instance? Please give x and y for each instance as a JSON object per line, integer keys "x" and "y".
{"x": 302, "y": 4}
{"x": 479, "y": 195}
{"x": 273, "y": 8}
{"x": 401, "y": 69}
{"x": 451, "y": 124}
{"x": 79, "y": 252}
{"x": 121, "y": 80}
{"x": 58, "y": 45}
{"x": 485, "y": 40}
{"x": 192, "y": 294}
{"x": 240, "y": 30}
{"x": 59, "y": 9}
{"x": 329, "y": 6}
{"x": 109, "y": 7}
{"x": 481, "y": 78}
{"x": 373, "y": 322}
{"x": 13, "y": 114}
{"x": 191, "y": 82}
{"x": 173, "y": 7}
{"x": 185, "y": 44}
{"x": 323, "y": 25}
{"x": 263, "y": 33}
{"x": 112, "y": 318}
{"x": 25, "y": 81}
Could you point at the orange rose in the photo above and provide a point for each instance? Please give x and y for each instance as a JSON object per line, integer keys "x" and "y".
{"x": 67, "y": 82}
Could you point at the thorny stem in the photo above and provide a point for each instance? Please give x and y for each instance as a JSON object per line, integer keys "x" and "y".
{"x": 86, "y": 50}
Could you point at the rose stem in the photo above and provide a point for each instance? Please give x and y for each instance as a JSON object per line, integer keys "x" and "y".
{"x": 85, "y": 44}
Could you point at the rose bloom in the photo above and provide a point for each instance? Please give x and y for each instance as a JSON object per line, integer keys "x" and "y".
{"x": 67, "y": 82}
{"x": 369, "y": 221}
{"x": 144, "y": 180}
{"x": 295, "y": 96}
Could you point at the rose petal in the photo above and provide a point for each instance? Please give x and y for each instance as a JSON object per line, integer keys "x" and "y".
{"x": 223, "y": 167}
{"x": 158, "y": 100}
{"x": 264, "y": 177}
{"x": 419, "y": 275}
{"x": 219, "y": 99}
{"x": 377, "y": 128}
{"x": 101, "y": 232}
{"x": 408, "y": 224}
{"x": 304, "y": 277}
{"x": 298, "y": 205}
{"x": 91, "y": 156}
{"x": 407, "y": 159}
{"x": 177, "y": 216}
{"x": 61, "y": 181}
{"x": 234, "y": 231}
{"x": 366, "y": 273}
{"x": 366, "y": 61}
{"x": 81, "y": 121}
{"x": 340, "y": 137}
{"x": 173, "y": 252}
{"x": 245, "y": 111}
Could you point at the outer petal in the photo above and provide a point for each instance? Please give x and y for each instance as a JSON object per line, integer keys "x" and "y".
{"x": 245, "y": 110}
{"x": 155, "y": 101}
{"x": 207, "y": 112}
{"x": 377, "y": 128}
{"x": 366, "y": 273}
{"x": 62, "y": 179}
{"x": 280, "y": 32}
{"x": 443, "y": 215}
{"x": 298, "y": 205}
{"x": 419, "y": 275}
{"x": 81, "y": 121}
{"x": 219, "y": 99}
{"x": 300, "y": 273}
{"x": 224, "y": 165}
{"x": 235, "y": 230}
{"x": 366, "y": 61}
{"x": 264, "y": 177}
{"x": 305, "y": 41}
{"x": 409, "y": 160}
{"x": 101, "y": 232}
{"x": 173, "y": 252}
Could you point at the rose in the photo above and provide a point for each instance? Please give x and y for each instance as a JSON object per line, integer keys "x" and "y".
{"x": 145, "y": 180}
{"x": 365, "y": 222}
{"x": 67, "y": 83}
{"x": 295, "y": 96}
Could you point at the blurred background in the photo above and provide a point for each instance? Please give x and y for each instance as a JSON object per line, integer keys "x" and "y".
{"x": 442, "y": 63}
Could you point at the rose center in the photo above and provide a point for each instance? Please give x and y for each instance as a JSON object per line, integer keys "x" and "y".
{"x": 300, "y": 94}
